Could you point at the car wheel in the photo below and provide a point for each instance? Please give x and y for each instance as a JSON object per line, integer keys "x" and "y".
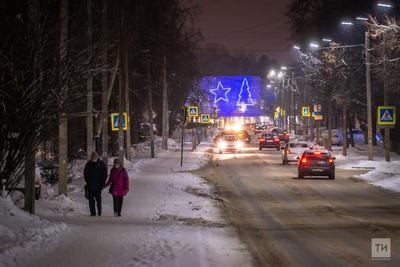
{"x": 300, "y": 176}
{"x": 332, "y": 176}
{"x": 278, "y": 148}
{"x": 260, "y": 148}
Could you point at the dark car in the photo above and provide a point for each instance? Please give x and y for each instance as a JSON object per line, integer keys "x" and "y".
{"x": 282, "y": 134}
{"x": 269, "y": 140}
{"x": 316, "y": 163}
{"x": 229, "y": 143}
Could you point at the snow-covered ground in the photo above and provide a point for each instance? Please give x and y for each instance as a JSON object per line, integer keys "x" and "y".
{"x": 24, "y": 234}
{"x": 169, "y": 218}
{"x": 379, "y": 172}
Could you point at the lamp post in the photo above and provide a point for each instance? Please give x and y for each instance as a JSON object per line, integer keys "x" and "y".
{"x": 368, "y": 84}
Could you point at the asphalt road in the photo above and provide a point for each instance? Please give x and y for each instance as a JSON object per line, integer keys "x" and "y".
{"x": 285, "y": 221}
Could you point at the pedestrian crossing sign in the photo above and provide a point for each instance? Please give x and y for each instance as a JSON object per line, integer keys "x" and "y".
{"x": 205, "y": 118}
{"x": 305, "y": 111}
{"x": 115, "y": 121}
{"x": 193, "y": 111}
{"x": 386, "y": 115}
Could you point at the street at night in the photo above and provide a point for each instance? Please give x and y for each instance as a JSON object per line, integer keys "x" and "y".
{"x": 186, "y": 133}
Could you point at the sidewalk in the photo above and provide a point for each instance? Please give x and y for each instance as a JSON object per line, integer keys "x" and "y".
{"x": 169, "y": 218}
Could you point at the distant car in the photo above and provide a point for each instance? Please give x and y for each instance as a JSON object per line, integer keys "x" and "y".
{"x": 269, "y": 140}
{"x": 229, "y": 143}
{"x": 336, "y": 137}
{"x": 316, "y": 163}
{"x": 282, "y": 134}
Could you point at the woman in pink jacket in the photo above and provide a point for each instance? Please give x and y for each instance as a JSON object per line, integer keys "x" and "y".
{"x": 119, "y": 182}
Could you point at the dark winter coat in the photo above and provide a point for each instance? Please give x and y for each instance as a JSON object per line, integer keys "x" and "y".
{"x": 95, "y": 174}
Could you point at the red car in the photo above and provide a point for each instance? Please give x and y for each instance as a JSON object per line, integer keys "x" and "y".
{"x": 269, "y": 140}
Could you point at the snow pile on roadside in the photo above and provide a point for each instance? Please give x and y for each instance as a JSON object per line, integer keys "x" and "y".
{"x": 22, "y": 233}
{"x": 383, "y": 174}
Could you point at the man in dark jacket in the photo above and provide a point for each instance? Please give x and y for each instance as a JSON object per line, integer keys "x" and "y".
{"x": 95, "y": 174}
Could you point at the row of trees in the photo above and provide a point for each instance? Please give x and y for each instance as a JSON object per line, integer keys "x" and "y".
{"x": 77, "y": 61}
{"x": 336, "y": 74}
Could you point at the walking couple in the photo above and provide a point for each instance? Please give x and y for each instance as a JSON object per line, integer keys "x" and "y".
{"x": 95, "y": 174}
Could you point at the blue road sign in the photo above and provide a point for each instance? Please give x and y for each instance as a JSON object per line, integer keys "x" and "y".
{"x": 386, "y": 115}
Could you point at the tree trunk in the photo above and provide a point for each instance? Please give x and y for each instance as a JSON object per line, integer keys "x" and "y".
{"x": 150, "y": 108}
{"x": 329, "y": 141}
{"x": 62, "y": 139}
{"x": 165, "y": 119}
{"x": 104, "y": 85}
{"x": 89, "y": 85}
{"x": 350, "y": 124}
{"x": 344, "y": 132}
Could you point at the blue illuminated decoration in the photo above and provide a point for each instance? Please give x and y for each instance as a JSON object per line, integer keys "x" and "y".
{"x": 245, "y": 97}
{"x": 219, "y": 91}
{"x": 232, "y": 95}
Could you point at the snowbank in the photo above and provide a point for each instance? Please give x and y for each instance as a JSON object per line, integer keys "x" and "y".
{"x": 383, "y": 174}
{"x": 22, "y": 233}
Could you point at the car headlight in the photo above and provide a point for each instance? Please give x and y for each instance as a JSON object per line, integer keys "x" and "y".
{"x": 222, "y": 144}
{"x": 239, "y": 144}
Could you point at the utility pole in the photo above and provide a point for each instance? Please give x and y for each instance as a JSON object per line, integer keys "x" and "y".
{"x": 369, "y": 103}
{"x": 150, "y": 108}
{"x": 121, "y": 95}
{"x": 125, "y": 73}
{"x": 89, "y": 84}
{"x": 386, "y": 100}
{"x": 165, "y": 118}
{"x": 104, "y": 86}
{"x": 183, "y": 119}
{"x": 62, "y": 129}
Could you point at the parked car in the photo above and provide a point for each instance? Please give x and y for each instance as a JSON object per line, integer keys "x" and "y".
{"x": 316, "y": 162}
{"x": 269, "y": 140}
{"x": 336, "y": 136}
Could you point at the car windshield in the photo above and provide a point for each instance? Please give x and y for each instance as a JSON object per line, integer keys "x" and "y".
{"x": 230, "y": 138}
{"x": 268, "y": 135}
{"x": 317, "y": 156}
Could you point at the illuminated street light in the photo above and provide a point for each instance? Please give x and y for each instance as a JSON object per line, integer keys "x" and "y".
{"x": 384, "y": 5}
{"x": 272, "y": 73}
{"x": 327, "y": 40}
{"x": 280, "y": 75}
{"x": 283, "y": 68}
{"x": 348, "y": 23}
{"x": 296, "y": 47}
{"x": 314, "y": 45}
{"x": 362, "y": 18}
{"x": 269, "y": 86}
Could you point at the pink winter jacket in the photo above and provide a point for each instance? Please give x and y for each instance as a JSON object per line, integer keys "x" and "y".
{"x": 119, "y": 180}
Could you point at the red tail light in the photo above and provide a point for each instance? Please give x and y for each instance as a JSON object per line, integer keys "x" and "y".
{"x": 317, "y": 153}
{"x": 330, "y": 160}
{"x": 304, "y": 160}
{"x": 276, "y": 139}
{"x": 262, "y": 139}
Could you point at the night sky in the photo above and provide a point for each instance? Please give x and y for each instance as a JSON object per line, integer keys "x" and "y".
{"x": 247, "y": 25}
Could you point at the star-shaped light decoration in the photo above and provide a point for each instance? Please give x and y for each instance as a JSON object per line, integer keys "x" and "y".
{"x": 220, "y": 93}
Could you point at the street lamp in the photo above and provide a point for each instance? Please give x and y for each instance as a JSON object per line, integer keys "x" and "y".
{"x": 327, "y": 40}
{"x": 362, "y": 18}
{"x": 296, "y": 47}
{"x": 314, "y": 45}
{"x": 384, "y": 5}
{"x": 347, "y": 23}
